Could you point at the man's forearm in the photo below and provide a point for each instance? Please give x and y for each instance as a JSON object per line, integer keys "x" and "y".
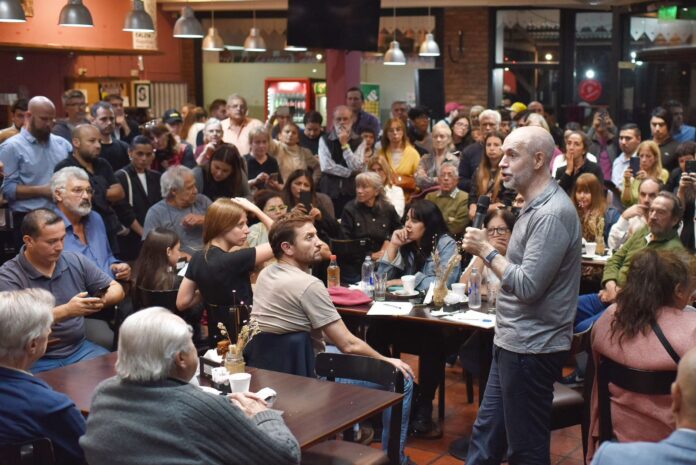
{"x": 32, "y": 192}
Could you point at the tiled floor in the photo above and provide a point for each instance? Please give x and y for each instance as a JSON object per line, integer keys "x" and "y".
{"x": 566, "y": 444}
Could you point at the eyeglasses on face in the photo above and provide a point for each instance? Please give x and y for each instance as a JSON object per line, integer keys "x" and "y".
{"x": 82, "y": 190}
{"x": 497, "y": 231}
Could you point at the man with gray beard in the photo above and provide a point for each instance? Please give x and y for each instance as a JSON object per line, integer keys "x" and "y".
{"x": 85, "y": 230}
{"x": 107, "y": 191}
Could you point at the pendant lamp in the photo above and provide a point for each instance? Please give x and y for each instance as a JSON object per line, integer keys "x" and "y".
{"x": 11, "y": 11}
{"x": 138, "y": 20}
{"x": 254, "y": 42}
{"x": 394, "y": 56}
{"x": 213, "y": 42}
{"x": 75, "y": 14}
{"x": 187, "y": 26}
{"x": 429, "y": 47}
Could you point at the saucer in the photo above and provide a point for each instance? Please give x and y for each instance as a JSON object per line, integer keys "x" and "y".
{"x": 404, "y": 293}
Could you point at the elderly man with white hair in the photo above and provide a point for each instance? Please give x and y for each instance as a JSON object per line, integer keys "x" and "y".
{"x": 29, "y": 408}
{"x": 150, "y": 413}
{"x": 540, "y": 279}
{"x": 469, "y": 160}
{"x": 182, "y": 209}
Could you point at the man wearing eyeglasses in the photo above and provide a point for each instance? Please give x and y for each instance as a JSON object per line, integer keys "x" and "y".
{"x": 452, "y": 202}
{"x": 108, "y": 191}
{"x": 237, "y": 126}
{"x": 28, "y": 160}
{"x": 75, "y": 108}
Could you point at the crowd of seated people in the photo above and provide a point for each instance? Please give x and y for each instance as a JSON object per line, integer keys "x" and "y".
{"x": 93, "y": 194}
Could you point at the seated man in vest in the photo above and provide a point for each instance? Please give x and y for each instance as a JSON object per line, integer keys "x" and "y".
{"x": 289, "y": 299}
{"x": 79, "y": 287}
{"x": 29, "y": 408}
{"x": 453, "y": 203}
{"x": 341, "y": 158}
{"x": 680, "y": 447}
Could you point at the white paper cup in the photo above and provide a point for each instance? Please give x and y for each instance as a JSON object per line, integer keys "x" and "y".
{"x": 590, "y": 248}
{"x": 409, "y": 283}
{"x": 239, "y": 382}
{"x": 459, "y": 289}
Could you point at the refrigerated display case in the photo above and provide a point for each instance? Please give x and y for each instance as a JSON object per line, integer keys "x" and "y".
{"x": 298, "y": 94}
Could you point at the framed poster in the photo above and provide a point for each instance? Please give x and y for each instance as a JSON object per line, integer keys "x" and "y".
{"x": 141, "y": 94}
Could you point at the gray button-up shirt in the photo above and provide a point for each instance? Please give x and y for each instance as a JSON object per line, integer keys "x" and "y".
{"x": 539, "y": 289}
{"x": 30, "y": 163}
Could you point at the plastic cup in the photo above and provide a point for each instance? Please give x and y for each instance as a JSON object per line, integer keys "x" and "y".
{"x": 459, "y": 289}
{"x": 239, "y": 382}
{"x": 380, "y": 286}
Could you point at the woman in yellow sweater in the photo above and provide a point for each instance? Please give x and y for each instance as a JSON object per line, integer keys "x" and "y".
{"x": 403, "y": 158}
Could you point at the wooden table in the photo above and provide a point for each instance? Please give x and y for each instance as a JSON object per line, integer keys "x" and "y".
{"x": 314, "y": 409}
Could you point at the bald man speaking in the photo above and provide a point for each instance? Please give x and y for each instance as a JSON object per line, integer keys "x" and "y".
{"x": 540, "y": 279}
{"x": 680, "y": 447}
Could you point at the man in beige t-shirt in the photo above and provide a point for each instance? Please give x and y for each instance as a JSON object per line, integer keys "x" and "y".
{"x": 288, "y": 299}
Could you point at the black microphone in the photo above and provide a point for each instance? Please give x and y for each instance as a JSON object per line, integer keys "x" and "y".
{"x": 481, "y": 210}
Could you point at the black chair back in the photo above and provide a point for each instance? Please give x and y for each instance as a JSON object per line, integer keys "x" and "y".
{"x": 630, "y": 379}
{"x": 148, "y": 298}
{"x": 351, "y": 249}
{"x": 287, "y": 353}
{"x": 35, "y": 452}
{"x": 369, "y": 369}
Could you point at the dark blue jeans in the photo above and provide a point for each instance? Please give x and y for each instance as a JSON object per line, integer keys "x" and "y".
{"x": 516, "y": 409}
{"x": 590, "y": 308}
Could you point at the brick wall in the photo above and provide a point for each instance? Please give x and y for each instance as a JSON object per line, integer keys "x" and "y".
{"x": 467, "y": 80}
{"x": 188, "y": 67}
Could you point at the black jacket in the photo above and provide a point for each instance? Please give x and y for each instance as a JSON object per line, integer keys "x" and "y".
{"x": 135, "y": 194}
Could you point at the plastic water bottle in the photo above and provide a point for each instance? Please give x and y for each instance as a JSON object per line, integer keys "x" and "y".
{"x": 474, "y": 289}
{"x": 368, "y": 276}
{"x": 333, "y": 273}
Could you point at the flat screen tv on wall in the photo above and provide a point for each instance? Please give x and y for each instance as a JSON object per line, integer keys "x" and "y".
{"x": 338, "y": 24}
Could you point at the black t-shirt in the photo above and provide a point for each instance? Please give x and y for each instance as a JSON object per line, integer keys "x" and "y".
{"x": 310, "y": 144}
{"x": 217, "y": 273}
{"x": 116, "y": 154}
{"x": 254, "y": 168}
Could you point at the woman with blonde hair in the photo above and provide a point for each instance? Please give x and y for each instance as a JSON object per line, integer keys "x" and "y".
{"x": 596, "y": 217}
{"x": 650, "y": 167}
{"x": 402, "y": 157}
{"x": 219, "y": 274}
{"x": 443, "y": 151}
{"x": 393, "y": 194}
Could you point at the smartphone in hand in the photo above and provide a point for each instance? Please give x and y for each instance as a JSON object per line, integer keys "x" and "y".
{"x": 634, "y": 164}
{"x": 100, "y": 293}
{"x": 306, "y": 200}
{"x": 690, "y": 166}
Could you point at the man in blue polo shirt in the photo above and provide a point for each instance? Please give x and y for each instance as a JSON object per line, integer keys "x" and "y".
{"x": 70, "y": 277}
{"x": 29, "y": 159}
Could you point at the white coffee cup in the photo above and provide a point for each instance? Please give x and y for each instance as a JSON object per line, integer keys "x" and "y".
{"x": 590, "y": 248}
{"x": 239, "y": 382}
{"x": 459, "y": 289}
{"x": 409, "y": 283}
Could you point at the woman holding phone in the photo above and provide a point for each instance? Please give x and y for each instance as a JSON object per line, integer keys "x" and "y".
{"x": 650, "y": 166}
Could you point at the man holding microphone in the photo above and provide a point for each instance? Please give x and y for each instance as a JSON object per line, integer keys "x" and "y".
{"x": 540, "y": 279}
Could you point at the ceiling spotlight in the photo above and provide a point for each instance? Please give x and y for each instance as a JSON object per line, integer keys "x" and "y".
{"x": 590, "y": 74}
{"x": 11, "y": 11}
{"x": 187, "y": 26}
{"x": 254, "y": 42}
{"x": 19, "y": 57}
{"x": 138, "y": 20}
{"x": 75, "y": 14}
{"x": 213, "y": 42}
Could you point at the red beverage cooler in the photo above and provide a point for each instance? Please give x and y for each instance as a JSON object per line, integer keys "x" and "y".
{"x": 298, "y": 94}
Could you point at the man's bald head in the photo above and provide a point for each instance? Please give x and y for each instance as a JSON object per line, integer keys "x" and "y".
{"x": 86, "y": 140}
{"x": 84, "y": 130}
{"x": 532, "y": 140}
{"x": 684, "y": 392}
{"x": 40, "y": 116}
{"x": 40, "y": 102}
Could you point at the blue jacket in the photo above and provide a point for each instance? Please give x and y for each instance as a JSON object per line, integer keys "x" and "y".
{"x": 30, "y": 409}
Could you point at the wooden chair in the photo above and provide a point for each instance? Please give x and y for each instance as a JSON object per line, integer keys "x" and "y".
{"x": 630, "y": 379}
{"x": 35, "y": 452}
{"x": 362, "y": 368}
